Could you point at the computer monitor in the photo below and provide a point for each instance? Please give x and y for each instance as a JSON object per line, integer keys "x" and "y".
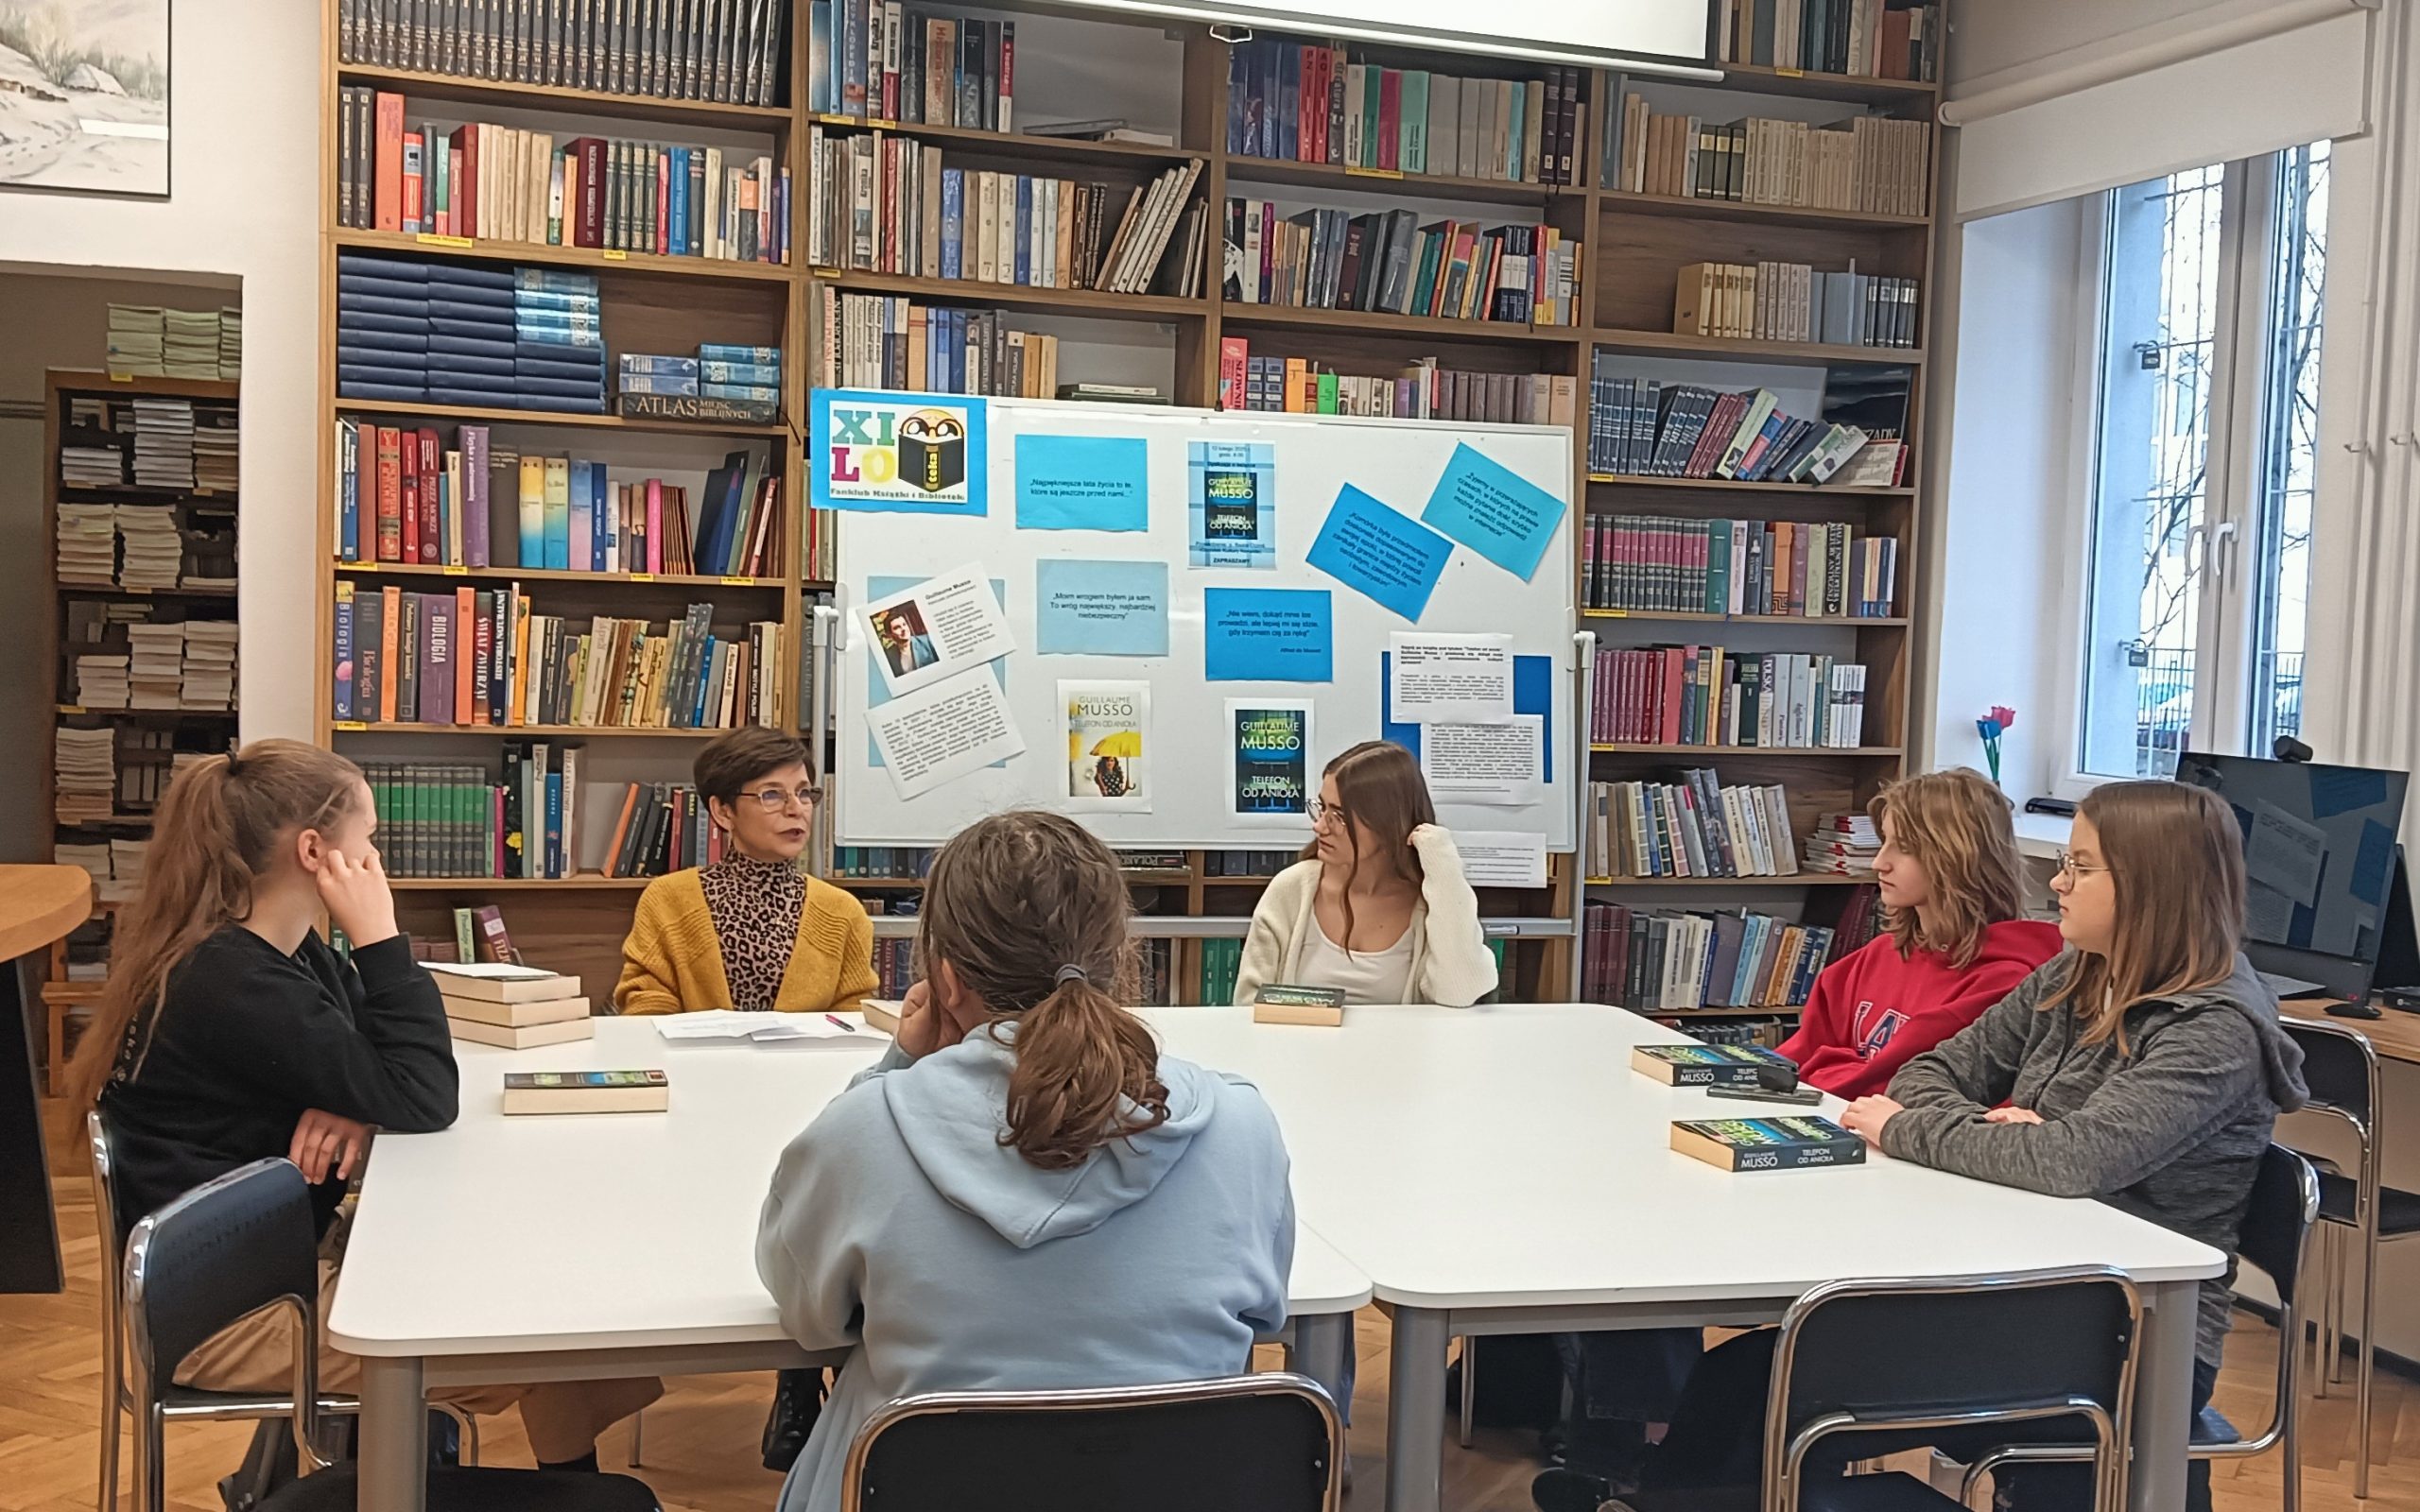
{"x": 2319, "y": 850}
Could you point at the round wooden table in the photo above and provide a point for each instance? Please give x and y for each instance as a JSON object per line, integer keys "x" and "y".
{"x": 39, "y": 905}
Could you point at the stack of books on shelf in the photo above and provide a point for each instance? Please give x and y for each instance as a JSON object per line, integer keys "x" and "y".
{"x": 145, "y": 342}
{"x": 1653, "y": 563}
{"x": 1792, "y": 302}
{"x": 880, "y": 203}
{"x": 190, "y": 349}
{"x": 162, "y": 442}
{"x": 459, "y": 819}
{"x": 1642, "y": 428}
{"x": 557, "y": 342}
{"x": 1248, "y": 863}
{"x": 383, "y": 329}
{"x": 891, "y": 341}
{"x": 128, "y": 856}
{"x": 1655, "y": 961}
{"x": 478, "y": 657}
{"x": 231, "y": 344}
{"x": 1421, "y": 391}
{"x": 858, "y": 863}
{"x": 492, "y": 182}
{"x": 86, "y": 537}
{"x": 1696, "y": 826}
{"x": 155, "y": 665}
{"x": 511, "y": 1006}
{"x": 1844, "y": 844}
{"x": 153, "y": 554}
{"x": 209, "y": 676}
{"x": 1709, "y": 695}
{"x": 1311, "y": 103}
{"x": 84, "y": 772}
{"x": 467, "y": 334}
{"x": 1868, "y": 164}
{"x": 1222, "y": 961}
{"x": 1387, "y": 263}
{"x": 1865, "y": 39}
{"x": 101, "y": 680}
{"x": 215, "y": 452}
{"x": 94, "y": 857}
{"x": 727, "y": 53}
{"x": 724, "y": 383}
{"x": 91, "y": 466}
{"x": 869, "y": 60}
{"x": 659, "y": 828}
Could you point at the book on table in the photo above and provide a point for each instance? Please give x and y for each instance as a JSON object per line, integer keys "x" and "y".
{"x": 1781, "y": 1143}
{"x": 586, "y": 1091}
{"x": 496, "y": 982}
{"x": 523, "y": 1036}
{"x": 1280, "y": 1003}
{"x": 1701, "y": 1065}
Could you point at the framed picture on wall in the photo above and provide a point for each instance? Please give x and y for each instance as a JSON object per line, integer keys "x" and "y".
{"x": 85, "y": 95}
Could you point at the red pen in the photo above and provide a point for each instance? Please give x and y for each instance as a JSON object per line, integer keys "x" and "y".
{"x": 840, "y": 1023}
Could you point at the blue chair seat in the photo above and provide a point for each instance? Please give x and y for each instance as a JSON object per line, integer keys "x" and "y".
{"x": 2399, "y": 1209}
{"x": 477, "y": 1490}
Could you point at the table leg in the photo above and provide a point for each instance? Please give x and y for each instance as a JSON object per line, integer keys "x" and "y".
{"x": 2164, "y": 1398}
{"x": 1416, "y": 1410}
{"x": 394, "y": 1435}
{"x": 1322, "y": 1350}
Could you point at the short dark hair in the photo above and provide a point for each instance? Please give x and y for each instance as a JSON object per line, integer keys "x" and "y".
{"x": 731, "y": 762}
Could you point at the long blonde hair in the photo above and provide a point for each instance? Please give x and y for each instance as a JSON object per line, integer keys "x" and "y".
{"x": 212, "y": 838}
{"x": 1029, "y": 910}
{"x": 2175, "y": 860}
{"x": 1954, "y": 824}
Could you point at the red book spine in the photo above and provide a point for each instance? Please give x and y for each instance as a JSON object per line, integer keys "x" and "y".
{"x": 1234, "y": 356}
{"x": 387, "y": 196}
{"x": 408, "y": 447}
{"x": 391, "y": 494}
{"x": 663, "y": 203}
{"x": 1675, "y": 673}
{"x": 432, "y": 518}
{"x": 589, "y": 229}
{"x": 1390, "y": 116}
{"x": 415, "y": 174}
{"x": 1309, "y": 103}
{"x": 466, "y": 183}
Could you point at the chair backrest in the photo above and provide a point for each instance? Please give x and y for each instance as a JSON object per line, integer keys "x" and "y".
{"x": 1272, "y": 1443}
{"x": 97, "y": 1140}
{"x": 230, "y": 1246}
{"x": 2340, "y": 1066}
{"x": 2285, "y": 1203}
{"x": 1962, "y": 1349}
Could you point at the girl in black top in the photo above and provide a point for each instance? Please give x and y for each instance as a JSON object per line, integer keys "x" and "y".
{"x": 231, "y": 1033}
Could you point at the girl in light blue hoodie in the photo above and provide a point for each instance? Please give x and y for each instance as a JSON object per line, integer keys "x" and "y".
{"x": 1025, "y": 1193}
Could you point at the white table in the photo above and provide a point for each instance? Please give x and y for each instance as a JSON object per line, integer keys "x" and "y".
{"x": 1503, "y": 1170}
{"x": 588, "y": 1247}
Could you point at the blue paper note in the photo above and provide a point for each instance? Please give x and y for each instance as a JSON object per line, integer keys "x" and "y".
{"x": 1493, "y": 510}
{"x": 877, "y": 694}
{"x": 1389, "y": 557}
{"x": 1268, "y": 635}
{"x": 1081, "y": 483}
{"x": 1100, "y": 607}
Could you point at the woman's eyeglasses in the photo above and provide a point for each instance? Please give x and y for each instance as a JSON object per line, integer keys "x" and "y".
{"x": 774, "y": 800}
{"x": 2072, "y": 869}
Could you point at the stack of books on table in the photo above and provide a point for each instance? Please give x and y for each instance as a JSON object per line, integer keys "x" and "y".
{"x": 513, "y": 1007}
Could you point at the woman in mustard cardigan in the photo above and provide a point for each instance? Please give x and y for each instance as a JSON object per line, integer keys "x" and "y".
{"x": 752, "y": 930}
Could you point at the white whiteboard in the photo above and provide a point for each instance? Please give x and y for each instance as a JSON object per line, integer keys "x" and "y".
{"x": 1396, "y": 462}
{"x": 1616, "y": 32}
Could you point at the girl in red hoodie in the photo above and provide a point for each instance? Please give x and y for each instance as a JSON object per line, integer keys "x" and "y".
{"x": 1957, "y": 943}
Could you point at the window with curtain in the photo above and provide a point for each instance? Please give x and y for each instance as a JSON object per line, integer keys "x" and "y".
{"x": 2204, "y": 434}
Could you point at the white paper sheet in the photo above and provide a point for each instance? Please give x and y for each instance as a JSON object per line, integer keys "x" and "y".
{"x": 1498, "y": 766}
{"x": 939, "y": 734}
{"x": 763, "y": 1028}
{"x": 1502, "y": 858}
{"x": 1462, "y": 679}
{"x": 940, "y": 626}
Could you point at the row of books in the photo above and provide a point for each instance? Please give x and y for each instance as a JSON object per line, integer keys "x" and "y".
{"x": 1792, "y": 302}
{"x": 182, "y": 665}
{"x": 124, "y": 545}
{"x": 659, "y": 828}
{"x": 1642, "y": 428}
{"x": 883, "y": 203}
{"x": 1768, "y": 1033}
{"x": 1658, "y": 961}
{"x": 891, "y": 341}
{"x": 1871, "y": 164}
{"x": 880, "y": 61}
{"x": 1388, "y": 262}
{"x": 1815, "y": 570}
{"x": 1844, "y": 844}
{"x": 1867, "y": 38}
{"x": 150, "y": 341}
{"x": 1693, "y": 828}
{"x": 492, "y": 183}
{"x": 726, "y": 51}
{"x": 862, "y": 862}
{"x": 478, "y": 656}
{"x": 1247, "y": 863}
{"x": 1710, "y": 695}
{"x": 1301, "y": 102}
{"x": 1423, "y": 390}
{"x": 664, "y": 375}
{"x": 403, "y": 496}
{"x": 412, "y": 330}
{"x": 462, "y": 819}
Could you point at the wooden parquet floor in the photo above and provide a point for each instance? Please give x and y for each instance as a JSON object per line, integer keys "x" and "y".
{"x": 701, "y": 1439}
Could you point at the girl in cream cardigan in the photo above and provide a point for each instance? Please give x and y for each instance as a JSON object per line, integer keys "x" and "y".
{"x": 1377, "y": 907}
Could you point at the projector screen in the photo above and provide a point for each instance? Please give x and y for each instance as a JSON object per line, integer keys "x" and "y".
{"x": 1613, "y": 32}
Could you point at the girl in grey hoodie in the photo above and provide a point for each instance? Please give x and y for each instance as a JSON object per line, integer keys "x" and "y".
{"x": 1025, "y": 1193}
{"x": 2143, "y": 1066}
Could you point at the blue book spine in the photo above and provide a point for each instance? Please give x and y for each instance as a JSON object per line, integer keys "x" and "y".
{"x": 554, "y": 824}
{"x": 764, "y": 373}
{"x": 742, "y": 393}
{"x": 558, "y": 335}
{"x": 553, "y": 280}
{"x": 705, "y": 680}
{"x": 677, "y": 202}
{"x": 1238, "y": 81}
{"x": 535, "y": 318}
{"x": 670, "y": 367}
{"x": 600, "y": 517}
{"x": 953, "y": 218}
{"x": 1025, "y": 230}
{"x": 1290, "y": 97}
{"x": 349, "y": 469}
{"x": 342, "y": 699}
{"x": 525, "y": 301}
{"x": 818, "y": 52}
{"x": 714, "y": 352}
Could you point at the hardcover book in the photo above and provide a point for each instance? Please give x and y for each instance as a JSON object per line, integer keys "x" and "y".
{"x": 1768, "y": 1143}
{"x": 586, "y": 1091}
{"x": 1279, "y": 1002}
{"x": 1703, "y": 1065}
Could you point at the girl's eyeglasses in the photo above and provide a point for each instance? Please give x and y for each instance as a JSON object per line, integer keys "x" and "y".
{"x": 2072, "y": 869}
{"x": 1322, "y": 810}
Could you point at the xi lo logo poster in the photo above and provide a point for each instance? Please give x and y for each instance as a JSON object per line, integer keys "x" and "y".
{"x": 907, "y": 453}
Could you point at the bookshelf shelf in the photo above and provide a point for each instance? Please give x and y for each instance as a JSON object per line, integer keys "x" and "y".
{"x": 1611, "y": 202}
{"x": 526, "y": 731}
{"x": 1623, "y": 748}
{"x": 1756, "y": 78}
{"x": 1360, "y": 322}
{"x": 1730, "y": 486}
{"x": 587, "y": 882}
{"x": 415, "y": 84}
{"x": 554, "y": 574}
{"x": 1731, "y": 349}
{"x": 590, "y": 259}
{"x": 1091, "y": 302}
{"x": 1829, "y": 621}
{"x": 118, "y": 590}
{"x": 551, "y": 417}
{"x": 1114, "y": 156}
{"x": 149, "y": 717}
{"x": 1367, "y": 181}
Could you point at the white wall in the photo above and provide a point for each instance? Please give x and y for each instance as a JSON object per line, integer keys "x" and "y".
{"x": 1999, "y": 552}
{"x": 1988, "y": 36}
{"x": 244, "y": 169}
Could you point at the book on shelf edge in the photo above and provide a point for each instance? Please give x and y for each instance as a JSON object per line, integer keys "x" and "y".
{"x": 1780, "y": 1143}
{"x": 1700, "y": 1065}
{"x": 586, "y": 1091}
